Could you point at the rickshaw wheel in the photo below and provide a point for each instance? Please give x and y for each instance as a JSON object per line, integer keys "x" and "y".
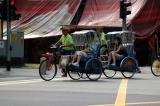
{"x": 128, "y": 67}
{"x": 155, "y": 68}
{"x": 47, "y": 70}
{"x": 109, "y": 73}
{"x": 83, "y": 76}
{"x": 74, "y": 72}
{"x": 93, "y": 69}
{"x": 74, "y": 75}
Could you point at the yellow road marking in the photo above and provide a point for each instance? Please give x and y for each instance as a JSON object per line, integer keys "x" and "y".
{"x": 121, "y": 96}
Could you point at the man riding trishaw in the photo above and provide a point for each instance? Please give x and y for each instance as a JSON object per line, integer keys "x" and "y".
{"x": 66, "y": 44}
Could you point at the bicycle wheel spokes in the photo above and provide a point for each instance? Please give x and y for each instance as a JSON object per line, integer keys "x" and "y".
{"x": 94, "y": 77}
{"x": 128, "y": 67}
{"x": 155, "y": 68}
{"x": 47, "y": 70}
{"x": 74, "y": 75}
{"x": 93, "y": 69}
{"x": 109, "y": 73}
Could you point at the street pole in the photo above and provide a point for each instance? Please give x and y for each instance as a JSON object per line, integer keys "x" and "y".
{"x": 124, "y": 25}
{"x": 8, "y": 62}
{"x": 1, "y": 29}
{"x": 1, "y": 22}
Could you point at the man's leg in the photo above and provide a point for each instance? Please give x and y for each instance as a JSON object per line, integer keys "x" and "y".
{"x": 114, "y": 57}
{"x": 64, "y": 73}
{"x": 74, "y": 57}
{"x": 109, "y": 57}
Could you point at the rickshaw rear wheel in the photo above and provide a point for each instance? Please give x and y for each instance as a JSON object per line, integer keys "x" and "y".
{"x": 73, "y": 72}
{"x": 128, "y": 67}
{"x": 83, "y": 76}
{"x": 109, "y": 73}
{"x": 47, "y": 70}
{"x": 93, "y": 69}
{"x": 155, "y": 67}
{"x": 75, "y": 75}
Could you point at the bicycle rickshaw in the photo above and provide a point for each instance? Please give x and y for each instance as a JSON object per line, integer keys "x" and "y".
{"x": 127, "y": 65}
{"x": 89, "y": 67}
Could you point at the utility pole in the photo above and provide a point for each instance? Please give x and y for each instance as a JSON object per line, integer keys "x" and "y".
{"x": 1, "y": 29}
{"x": 124, "y": 12}
{"x": 8, "y": 62}
{"x": 1, "y": 21}
{"x": 124, "y": 23}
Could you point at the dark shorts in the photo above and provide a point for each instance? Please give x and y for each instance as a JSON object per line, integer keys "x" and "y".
{"x": 66, "y": 52}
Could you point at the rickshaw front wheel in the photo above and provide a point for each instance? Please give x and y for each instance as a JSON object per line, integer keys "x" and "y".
{"x": 47, "y": 70}
{"x": 93, "y": 69}
{"x": 75, "y": 75}
{"x": 74, "y": 72}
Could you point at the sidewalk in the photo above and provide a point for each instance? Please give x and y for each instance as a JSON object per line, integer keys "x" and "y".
{"x": 18, "y": 73}
{"x": 31, "y": 66}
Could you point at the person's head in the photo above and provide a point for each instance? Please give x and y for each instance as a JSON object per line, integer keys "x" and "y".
{"x": 65, "y": 31}
{"x": 117, "y": 40}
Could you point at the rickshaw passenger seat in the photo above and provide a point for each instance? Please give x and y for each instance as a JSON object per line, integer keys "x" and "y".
{"x": 96, "y": 50}
{"x": 96, "y": 54}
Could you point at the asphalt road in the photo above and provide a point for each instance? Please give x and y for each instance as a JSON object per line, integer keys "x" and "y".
{"x": 23, "y": 87}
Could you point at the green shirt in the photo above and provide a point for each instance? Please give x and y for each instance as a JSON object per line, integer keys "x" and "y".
{"x": 103, "y": 38}
{"x": 66, "y": 41}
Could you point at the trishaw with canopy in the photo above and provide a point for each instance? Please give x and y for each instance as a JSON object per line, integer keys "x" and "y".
{"x": 89, "y": 66}
{"x": 128, "y": 65}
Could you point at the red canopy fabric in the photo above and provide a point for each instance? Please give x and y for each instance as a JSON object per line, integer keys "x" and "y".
{"x": 106, "y": 12}
{"x": 43, "y": 18}
{"x": 147, "y": 20}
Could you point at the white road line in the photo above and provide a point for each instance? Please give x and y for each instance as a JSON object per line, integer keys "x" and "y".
{"x": 143, "y": 103}
{"x": 28, "y": 81}
{"x": 20, "y": 82}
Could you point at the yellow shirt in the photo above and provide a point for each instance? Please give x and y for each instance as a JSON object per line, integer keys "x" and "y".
{"x": 66, "y": 41}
